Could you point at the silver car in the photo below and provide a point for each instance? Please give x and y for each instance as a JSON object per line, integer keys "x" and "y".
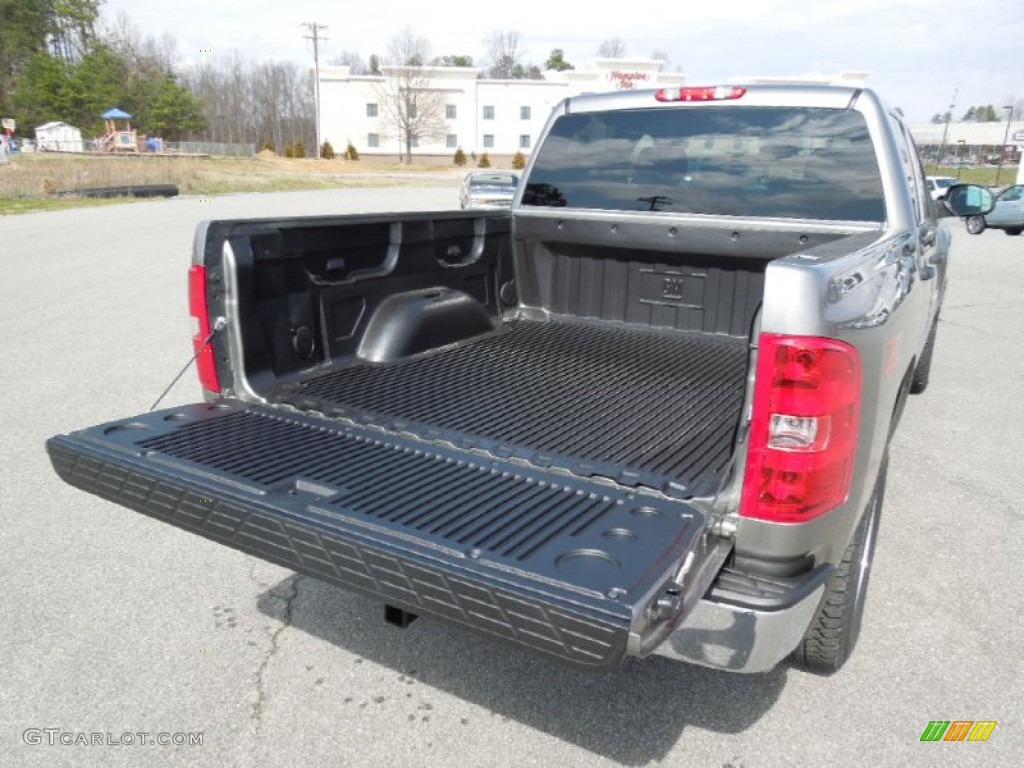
{"x": 488, "y": 189}
{"x": 1007, "y": 215}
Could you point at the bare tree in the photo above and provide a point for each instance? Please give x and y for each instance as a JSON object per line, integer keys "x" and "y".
{"x": 352, "y": 60}
{"x": 411, "y": 106}
{"x": 503, "y": 56}
{"x": 407, "y": 49}
{"x": 254, "y": 103}
{"x": 1018, "y": 107}
{"x": 613, "y": 48}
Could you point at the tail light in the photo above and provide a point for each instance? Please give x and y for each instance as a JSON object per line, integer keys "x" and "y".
{"x": 803, "y": 432}
{"x": 201, "y": 341}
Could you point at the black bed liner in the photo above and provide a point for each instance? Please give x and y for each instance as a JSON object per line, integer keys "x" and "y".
{"x": 639, "y": 406}
{"x": 559, "y": 564}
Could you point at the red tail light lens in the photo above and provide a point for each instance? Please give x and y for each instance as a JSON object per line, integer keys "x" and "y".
{"x": 708, "y": 93}
{"x": 205, "y": 362}
{"x": 803, "y": 433}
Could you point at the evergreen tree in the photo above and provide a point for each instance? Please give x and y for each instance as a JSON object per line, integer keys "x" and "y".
{"x": 557, "y": 62}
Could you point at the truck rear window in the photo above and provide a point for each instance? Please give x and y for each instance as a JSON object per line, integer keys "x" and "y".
{"x": 787, "y": 162}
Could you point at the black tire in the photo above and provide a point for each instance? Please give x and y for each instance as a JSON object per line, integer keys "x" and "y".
{"x": 923, "y": 369}
{"x": 136, "y": 190}
{"x": 1013, "y": 231}
{"x": 833, "y": 633}
{"x": 975, "y": 225}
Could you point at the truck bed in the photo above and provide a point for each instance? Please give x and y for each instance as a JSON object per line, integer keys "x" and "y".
{"x": 638, "y": 406}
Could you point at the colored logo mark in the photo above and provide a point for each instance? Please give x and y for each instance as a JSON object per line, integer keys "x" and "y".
{"x": 958, "y": 730}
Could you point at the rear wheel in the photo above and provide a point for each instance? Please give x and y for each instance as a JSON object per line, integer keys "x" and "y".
{"x": 1013, "y": 231}
{"x": 833, "y": 633}
{"x": 923, "y": 369}
{"x": 975, "y": 225}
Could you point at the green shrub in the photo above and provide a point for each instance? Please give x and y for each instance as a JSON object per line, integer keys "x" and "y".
{"x": 327, "y": 151}
{"x": 484, "y": 161}
{"x": 289, "y": 151}
{"x": 460, "y": 157}
{"x": 519, "y": 161}
{"x": 351, "y": 153}
{"x": 299, "y": 150}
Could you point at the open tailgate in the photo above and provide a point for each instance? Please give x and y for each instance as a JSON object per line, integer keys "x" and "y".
{"x": 578, "y": 569}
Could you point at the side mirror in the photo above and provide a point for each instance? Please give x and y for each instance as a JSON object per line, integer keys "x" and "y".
{"x": 969, "y": 200}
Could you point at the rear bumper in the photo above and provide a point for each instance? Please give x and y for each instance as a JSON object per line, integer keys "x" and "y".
{"x": 745, "y": 624}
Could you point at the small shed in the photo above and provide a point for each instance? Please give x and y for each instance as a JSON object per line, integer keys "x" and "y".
{"x": 59, "y": 137}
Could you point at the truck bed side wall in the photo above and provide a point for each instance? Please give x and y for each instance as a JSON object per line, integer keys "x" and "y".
{"x": 305, "y": 295}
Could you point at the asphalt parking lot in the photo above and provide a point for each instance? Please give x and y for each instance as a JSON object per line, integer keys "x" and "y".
{"x": 116, "y": 624}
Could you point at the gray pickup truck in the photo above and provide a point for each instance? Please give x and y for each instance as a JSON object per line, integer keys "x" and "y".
{"x": 645, "y": 411}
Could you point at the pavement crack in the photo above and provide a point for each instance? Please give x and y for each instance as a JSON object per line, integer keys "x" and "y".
{"x": 252, "y": 575}
{"x": 288, "y": 599}
{"x": 965, "y": 326}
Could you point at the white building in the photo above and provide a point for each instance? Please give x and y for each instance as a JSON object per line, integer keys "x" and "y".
{"x": 970, "y": 134}
{"x": 500, "y": 117}
{"x": 59, "y": 137}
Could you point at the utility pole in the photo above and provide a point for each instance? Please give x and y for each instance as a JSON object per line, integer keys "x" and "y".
{"x": 945, "y": 131}
{"x": 1006, "y": 138}
{"x": 314, "y": 34}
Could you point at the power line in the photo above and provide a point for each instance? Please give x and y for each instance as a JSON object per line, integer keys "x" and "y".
{"x": 314, "y": 35}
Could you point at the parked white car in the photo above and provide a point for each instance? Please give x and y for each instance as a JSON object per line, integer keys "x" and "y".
{"x": 938, "y": 185}
{"x": 488, "y": 189}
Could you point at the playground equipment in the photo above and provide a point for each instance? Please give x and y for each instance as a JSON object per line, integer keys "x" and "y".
{"x": 118, "y": 138}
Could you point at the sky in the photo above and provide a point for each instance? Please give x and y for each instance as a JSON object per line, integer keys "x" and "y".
{"x": 919, "y": 52}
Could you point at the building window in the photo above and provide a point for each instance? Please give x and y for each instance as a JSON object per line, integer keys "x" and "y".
{"x": 371, "y": 110}
{"x": 413, "y": 111}
{"x": 373, "y": 140}
{"x": 414, "y": 142}
{"x": 524, "y": 141}
{"x": 488, "y": 113}
{"x": 524, "y": 113}
{"x": 451, "y": 112}
{"x": 488, "y": 141}
{"x": 451, "y": 140}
